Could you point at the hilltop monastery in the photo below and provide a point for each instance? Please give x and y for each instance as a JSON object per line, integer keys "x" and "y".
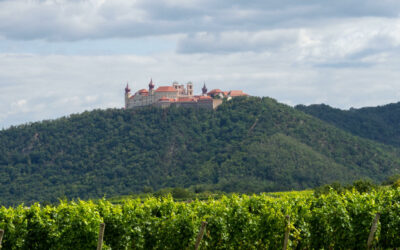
{"x": 177, "y": 95}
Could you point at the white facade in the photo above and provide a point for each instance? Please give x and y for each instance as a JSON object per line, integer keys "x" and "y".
{"x": 148, "y": 97}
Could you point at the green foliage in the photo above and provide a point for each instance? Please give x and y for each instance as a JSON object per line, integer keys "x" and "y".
{"x": 361, "y": 186}
{"x": 248, "y": 145}
{"x": 391, "y": 179}
{"x": 331, "y": 221}
{"x": 68, "y": 226}
{"x": 364, "y": 186}
{"x": 396, "y": 184}
{"x": 327, "y": 188}
{"x": 181, "y": 193}
{"x": 376, "y": 123}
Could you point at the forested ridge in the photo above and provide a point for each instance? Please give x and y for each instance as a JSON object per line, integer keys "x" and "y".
{"x": 380, "y": 123}
{"x": 246, "y": 145}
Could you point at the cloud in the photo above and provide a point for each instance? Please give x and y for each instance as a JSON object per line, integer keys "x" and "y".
{"x": 367, "y": 41}
{"x": 237, "y": 41}
{"x": 64, "y": 20}
{"x": 19, "y": 103}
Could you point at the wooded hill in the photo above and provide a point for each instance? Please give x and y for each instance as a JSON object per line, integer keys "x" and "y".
{"x": 380, "y": 123}
{"x": 246, "y": 145}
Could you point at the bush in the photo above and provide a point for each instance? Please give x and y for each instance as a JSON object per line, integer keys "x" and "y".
{"x": 361, "y": 186}
{"x": 364, "y": 186}
{"x": 181, "y": 193}
{"x": 396, "y": 184}
{"x": 326, "y": 189}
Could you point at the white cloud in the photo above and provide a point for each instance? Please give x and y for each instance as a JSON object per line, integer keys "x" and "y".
{"x": 19, "y": 103}
{"x": 350, "y": 39}
{"x": 96, "y": 19}
{"x": 91, "y": 98}
{"x": 235, "y": 41}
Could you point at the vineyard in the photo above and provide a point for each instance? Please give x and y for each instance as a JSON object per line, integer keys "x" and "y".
{"x": 332, "y": 221}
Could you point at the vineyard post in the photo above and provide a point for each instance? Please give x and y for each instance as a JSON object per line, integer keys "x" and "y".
{"x": 373, "y": 230}
{"x": 200, "y": 235}
{"x": 101, "y": 234}
{"x": 286, "y": 240}
{"x": 1, "y": 236}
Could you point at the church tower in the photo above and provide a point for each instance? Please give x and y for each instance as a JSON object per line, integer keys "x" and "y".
{"x": 151, "y": 86}
{"x": 204, "y": 90}
{"x": 127, "y": 95}
{"x": 189, "y": 88}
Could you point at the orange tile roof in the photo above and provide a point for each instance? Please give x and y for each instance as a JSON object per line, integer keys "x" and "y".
{"x": 215, "y": 91}
{"x": 237, "y": 93}
{"x": 144, "y": 92}
{"x": 205, "y": 98}
{"x": 166, "y": 89}
{"x": 186, "y": 100}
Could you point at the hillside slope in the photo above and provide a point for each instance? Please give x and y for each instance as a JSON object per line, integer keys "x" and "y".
{"x": 380, "y": 123}
{"x": 247, "y": 144}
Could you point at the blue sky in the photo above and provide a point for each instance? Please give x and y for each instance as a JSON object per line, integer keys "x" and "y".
{"x": 59, "y": 57}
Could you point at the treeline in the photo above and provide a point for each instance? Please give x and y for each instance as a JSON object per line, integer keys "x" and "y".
{"x": 188, "y": 194}
{"x": 376, "y": 123}
{"x": 246, "y": 145}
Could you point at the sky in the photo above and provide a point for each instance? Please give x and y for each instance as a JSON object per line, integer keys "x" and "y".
{"x": 59, "y": 57}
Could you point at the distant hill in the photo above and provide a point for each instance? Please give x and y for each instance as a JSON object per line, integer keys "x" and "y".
{"x": 380, "y": 123}
{"x": 248, "y": 145}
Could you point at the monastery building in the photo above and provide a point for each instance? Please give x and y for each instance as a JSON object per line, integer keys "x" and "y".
{"x": 177, "y": 95}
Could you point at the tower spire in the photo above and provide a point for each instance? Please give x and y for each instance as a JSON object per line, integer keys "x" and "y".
{"x": 127, "y": 95}
{"x": 127, "y": 89}
{"x": 204, "y": 89}
{"x": 151, "y": 85}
